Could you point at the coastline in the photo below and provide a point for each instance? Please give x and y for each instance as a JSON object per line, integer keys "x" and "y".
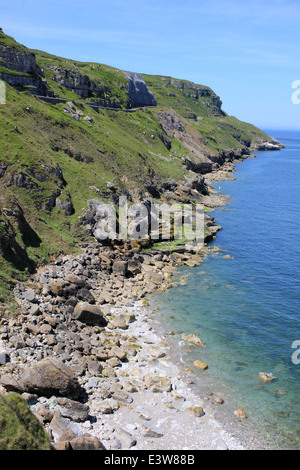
{"x": 140, "y": 397}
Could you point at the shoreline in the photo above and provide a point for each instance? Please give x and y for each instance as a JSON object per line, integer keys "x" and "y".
{"x": 137, "y": 396}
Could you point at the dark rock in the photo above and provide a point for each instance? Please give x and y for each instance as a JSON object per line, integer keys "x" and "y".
{"x": 89, "y": 314}
{"x": 120, "y": 267}
{"x": 134, "y": 267}
{"x": 199, "y": 184}
{"x": 73, "y": 410}
{"x": 201, "y": 167}
{"x": 50, "y": 377}
{"x": 169, "y": 185}
{"x": 4, "y": 358}
{"x": 85, "y": 294}
{"x": 86, "y": 442}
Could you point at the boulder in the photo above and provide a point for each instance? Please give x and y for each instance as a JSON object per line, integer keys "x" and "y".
{"x": 158, "y": 384}
{"x": 63, "y": 429}
{"x": 200, "y": 364}
{"x": 73, "y": 410}
{"x": 240, "y": 414}
{"x": 139, "y": 94}
{"x": 264, "y": 377}
{"x": 89, "y": 314}
{"x": 154, "y": 277}
{"x": 57, "y": 287}
{"x": 126, "y": 439}
{"x": 192, "y": 338}
{"x": 120, "y": 267}
{"x": 86, "y": 442}
{"x": 49, "y": 377}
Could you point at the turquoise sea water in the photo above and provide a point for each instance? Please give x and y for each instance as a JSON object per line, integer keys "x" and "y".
{"x": 247, "y": 309}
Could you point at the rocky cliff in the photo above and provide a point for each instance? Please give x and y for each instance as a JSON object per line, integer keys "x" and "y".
{"x": 73, "y": 132}
{"x": 18, "y": 68}
{"x": 139, "y": 94}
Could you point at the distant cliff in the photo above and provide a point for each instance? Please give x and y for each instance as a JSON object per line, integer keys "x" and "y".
{"x": 18, "y": 68}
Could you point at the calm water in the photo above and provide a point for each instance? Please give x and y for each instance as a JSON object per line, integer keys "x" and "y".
{"x": 247, "y": 309}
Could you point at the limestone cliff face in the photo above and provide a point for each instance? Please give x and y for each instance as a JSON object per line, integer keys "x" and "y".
{"x": 80, "y": 84}
{"x": 19, "y": 61}
{"x": 200, "y": 93}
{"x": 35, "y": 85}
{"x": 139, "y": 94}
{"x": 25, "y": 72}
{"x": 18, "y": 67}
{"x": 137, "y": 90}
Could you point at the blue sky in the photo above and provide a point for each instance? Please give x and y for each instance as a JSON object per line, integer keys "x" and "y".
{"x": 247, "y": 52}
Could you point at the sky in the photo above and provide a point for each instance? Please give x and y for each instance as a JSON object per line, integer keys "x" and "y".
{"x": 247, "y": 52}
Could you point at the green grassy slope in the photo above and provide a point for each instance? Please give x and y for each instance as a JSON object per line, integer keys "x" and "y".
{"x": 19, "y": 429}
{"x": 47, "y": 153}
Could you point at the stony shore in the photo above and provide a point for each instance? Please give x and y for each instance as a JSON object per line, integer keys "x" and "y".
{"x": 87, "y": 357}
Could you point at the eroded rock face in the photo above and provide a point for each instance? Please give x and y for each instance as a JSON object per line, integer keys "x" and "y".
{"x": 21, "y": 62}
{"x": 139, "y": 94}
{"x": 80, "y": 84}
{"x": 50, "y": 377}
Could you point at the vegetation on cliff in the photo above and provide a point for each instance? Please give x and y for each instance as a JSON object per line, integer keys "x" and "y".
{"x": 68, "y": 134}
{"x": 19, "y": 428}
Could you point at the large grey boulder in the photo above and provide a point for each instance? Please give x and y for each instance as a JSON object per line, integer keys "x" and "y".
{"x": 49, "y": 377}
{"x": 139, "y": 94}
{"x": 89, "y": 314}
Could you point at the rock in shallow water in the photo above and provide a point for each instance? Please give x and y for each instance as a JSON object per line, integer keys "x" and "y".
{"x": 264, "y": 377}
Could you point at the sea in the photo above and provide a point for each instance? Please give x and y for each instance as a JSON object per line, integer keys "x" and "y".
{"x": 246, "y": 307}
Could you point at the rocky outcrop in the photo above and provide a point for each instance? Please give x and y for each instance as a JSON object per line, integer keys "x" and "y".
{"x": 83, "y": 86}
{"x": 139, "y": 94}
{"x": 25, "y": 72}
{"x": 101, "y": 95}
{"x": 170, "y": 122}
{"x": 50, "y": 376}
{"x": 35, "y": 85}
{"x": 269, "y": 146}
{"x": 201, "y": 167}
{"x": 22, "y": 62}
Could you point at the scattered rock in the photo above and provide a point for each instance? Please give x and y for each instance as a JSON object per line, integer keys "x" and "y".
{"x": 192, "y": 338}
{"x": 218, "y": 400}
{"x": 200, "y": 364}
{"x": 240, "y": 413}
{"x": 158, "y": 384}
{"x": 151, "y": 431}
{"x": 73, "y": 410}
{"x": 197, "y": 411}
{"x": 126, "y": 439}
{"x": 264, "y": 377}
{"x": 86, "y": 442}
